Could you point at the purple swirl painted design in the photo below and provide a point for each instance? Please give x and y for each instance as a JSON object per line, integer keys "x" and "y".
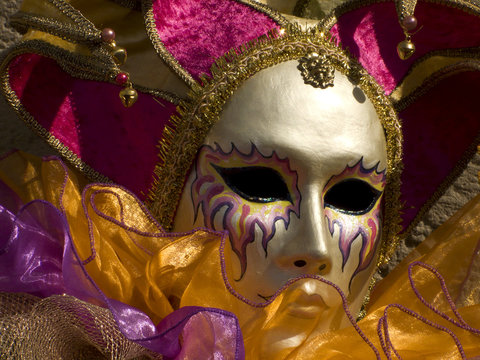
{"x": 241, "y": 217}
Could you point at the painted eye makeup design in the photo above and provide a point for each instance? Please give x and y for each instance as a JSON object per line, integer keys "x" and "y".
{"x": 352, "y": 196}
{"x": 251, "y": 190}
{"x": 255, "y": 183}
{"x": 353, "y": 208}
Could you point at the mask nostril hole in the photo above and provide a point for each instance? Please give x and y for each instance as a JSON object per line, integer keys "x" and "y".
{"x": 321, "y": 267}
{"x": 300, "y": 263}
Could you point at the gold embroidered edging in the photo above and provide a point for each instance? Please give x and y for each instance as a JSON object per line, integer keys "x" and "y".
{"x": 165, "y": 55}
{"x": 22, "y": 22}
{"x": 431, "y": 81}
{"x": 405, "y": 8}
{"x": 366, "y": 299}
{"x": 75, "y": 15}
{"x": 181, "y": 141}
{"x": 330, "y": 20}
{"x": 405, "y": 101}
{"x": 82, "y": 31}
{"x": 163, "y": 94}
{"x": 267, "y": 10}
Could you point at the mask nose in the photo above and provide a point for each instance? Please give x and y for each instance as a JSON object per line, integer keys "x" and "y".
{"x": 308, "y": 251}
{"x": 312, "y": 266}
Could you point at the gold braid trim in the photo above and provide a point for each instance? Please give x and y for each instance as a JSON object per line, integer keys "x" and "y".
{"x": 160, "y": 48}
{"x": 75, "y": 15}
{"x": 80, "y": 31}
{"x": 405, "y": 8}
{"x": 181, "y": 141}
{"x": 24, "y": 21}
{"x": 453, "y": 60}
{"x": 265, "y": 9}
{"x": 432, "y": 81}
{"x": 468, "y": 6}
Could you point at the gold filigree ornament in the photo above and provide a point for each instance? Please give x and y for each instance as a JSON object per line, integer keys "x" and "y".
{"x": 196, "y": 116}
{"x": 316, "y": 70}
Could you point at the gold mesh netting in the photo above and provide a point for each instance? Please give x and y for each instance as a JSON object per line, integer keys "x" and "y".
{"x": 61, "y": 327}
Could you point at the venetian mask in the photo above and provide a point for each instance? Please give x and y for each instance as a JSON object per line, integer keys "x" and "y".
{"x": 295, "y": 173}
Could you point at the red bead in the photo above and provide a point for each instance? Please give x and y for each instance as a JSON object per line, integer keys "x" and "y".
{"x": 108, "y": 35}
{"x": 121, "y": 78}
{"x": 409, "y": 22}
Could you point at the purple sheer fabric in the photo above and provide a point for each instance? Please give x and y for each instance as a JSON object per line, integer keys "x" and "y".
{"x": 37, "y": 257}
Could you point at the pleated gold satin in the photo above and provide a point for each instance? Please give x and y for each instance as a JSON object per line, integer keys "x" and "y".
{"x": 132, "y": 260}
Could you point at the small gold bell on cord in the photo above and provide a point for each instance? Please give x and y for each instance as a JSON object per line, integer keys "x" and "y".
{"x": 128, "y": 96}
{"x": 119, "y": 56}
{"x": 405, "y": 49}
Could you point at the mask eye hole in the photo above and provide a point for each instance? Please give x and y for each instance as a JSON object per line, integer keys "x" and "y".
{"x": 255, "y": 183}
{"x": 351, "y": 196}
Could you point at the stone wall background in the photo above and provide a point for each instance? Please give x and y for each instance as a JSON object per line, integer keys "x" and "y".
{"x": 14, "y": 134}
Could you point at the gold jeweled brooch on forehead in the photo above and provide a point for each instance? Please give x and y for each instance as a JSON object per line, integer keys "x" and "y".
{"x": 317, "y": 70}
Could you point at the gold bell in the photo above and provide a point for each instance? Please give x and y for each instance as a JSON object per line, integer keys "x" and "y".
{"x": 128, "y": 96}
{"x": 119, "y": 55}
{"x": 405, "y": 49}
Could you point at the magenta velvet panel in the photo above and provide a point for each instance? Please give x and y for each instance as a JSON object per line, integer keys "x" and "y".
{"x": 437, "y": 128}
{"x": 198, "y": 32}
{"x": 90, "y": 120}
{"x": 372, "y": 33}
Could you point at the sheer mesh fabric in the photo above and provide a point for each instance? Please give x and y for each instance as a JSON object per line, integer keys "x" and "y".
{"x": 61, "y": 327}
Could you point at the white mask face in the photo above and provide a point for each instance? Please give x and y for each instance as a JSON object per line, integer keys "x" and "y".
{"x": 296, "y": 175}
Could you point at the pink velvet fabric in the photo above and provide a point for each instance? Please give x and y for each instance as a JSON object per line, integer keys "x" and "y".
{"x": 90, "y": 120}
{"x": 437, "y": 128}
{"x": 372, "y": 33}
{"x": 197, "y": 32}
